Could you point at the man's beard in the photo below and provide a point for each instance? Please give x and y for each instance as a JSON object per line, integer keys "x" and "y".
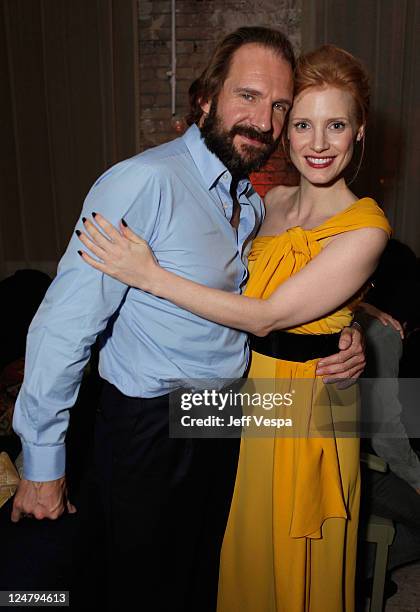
{"x": 220, "y": 142}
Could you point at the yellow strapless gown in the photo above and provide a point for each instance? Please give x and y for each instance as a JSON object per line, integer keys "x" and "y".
{"x": 290, "y": 542}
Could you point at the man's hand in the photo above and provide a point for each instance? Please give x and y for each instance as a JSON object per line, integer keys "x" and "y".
{"x": 349, "y": 363}
{"x": 41, "y": 499}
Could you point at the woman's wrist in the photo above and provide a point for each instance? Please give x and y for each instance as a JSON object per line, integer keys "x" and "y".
{"x": 158, "y": 282}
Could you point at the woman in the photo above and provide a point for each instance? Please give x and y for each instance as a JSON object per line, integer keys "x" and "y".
{"x": 290, "y": 543}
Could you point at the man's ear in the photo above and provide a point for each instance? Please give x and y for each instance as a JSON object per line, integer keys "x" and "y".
{"x": 205, "y": 106}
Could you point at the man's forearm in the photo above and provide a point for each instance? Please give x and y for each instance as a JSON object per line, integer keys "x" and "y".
{"x": 75, "y": 309}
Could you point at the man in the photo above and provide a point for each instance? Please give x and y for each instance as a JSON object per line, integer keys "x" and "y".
{"x": 166, "y": 500}
{"x": 394, "y": 494}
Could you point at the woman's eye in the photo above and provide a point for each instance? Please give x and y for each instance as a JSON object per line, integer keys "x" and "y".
{"x": 338, "y": 125}
{"x": 301, "y": 125}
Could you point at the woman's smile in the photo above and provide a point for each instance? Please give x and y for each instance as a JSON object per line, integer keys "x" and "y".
{"x": 319, "y": 162}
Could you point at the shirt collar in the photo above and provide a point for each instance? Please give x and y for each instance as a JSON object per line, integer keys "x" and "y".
{"x": 209, "y": 165}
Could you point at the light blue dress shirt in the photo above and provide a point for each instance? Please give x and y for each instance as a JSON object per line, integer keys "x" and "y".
{"x": 177, "y": 197}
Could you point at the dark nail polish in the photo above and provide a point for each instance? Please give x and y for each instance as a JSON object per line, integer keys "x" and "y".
{"x": 83, "y": 219}
{"x": 94, "y": 214}
{"x": 80, "y": 253}
{"x": 124, "y": 222}
{"x": 77, "y": 232}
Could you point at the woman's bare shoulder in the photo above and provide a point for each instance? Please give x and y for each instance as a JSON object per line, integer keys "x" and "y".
{"x": 281, "y": 194}
{"x": 279, "y": 202}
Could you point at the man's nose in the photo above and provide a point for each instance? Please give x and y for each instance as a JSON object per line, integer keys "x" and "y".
{"x": 263, "y": 117}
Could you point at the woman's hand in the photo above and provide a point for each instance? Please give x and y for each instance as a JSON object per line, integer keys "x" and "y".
{"x": 331, "y": 279}
{"x": 122, "y": 254}
{"x": 383, "y": 317}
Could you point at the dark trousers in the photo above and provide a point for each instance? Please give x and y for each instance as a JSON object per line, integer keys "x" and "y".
{"x": 391, "y": 497}
{"x": 166, "y": 503}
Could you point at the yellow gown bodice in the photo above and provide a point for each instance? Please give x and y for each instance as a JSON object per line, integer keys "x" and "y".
{"x": 274, "y": 259}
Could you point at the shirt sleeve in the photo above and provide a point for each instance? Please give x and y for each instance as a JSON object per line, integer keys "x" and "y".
{"x": 75, "y": 310}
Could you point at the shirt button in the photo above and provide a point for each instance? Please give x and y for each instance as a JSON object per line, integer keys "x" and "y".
{"x": 225, "y": 205}
{"x": 225, "y": 177}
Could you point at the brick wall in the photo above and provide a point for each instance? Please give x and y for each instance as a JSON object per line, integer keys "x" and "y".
{"x": 200, "y": 24}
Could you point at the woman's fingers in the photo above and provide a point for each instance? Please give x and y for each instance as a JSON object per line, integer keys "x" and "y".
{"x": 96, "y": 236}
{"x": 383, "y": 317}
{"x": 99, "y": 265}
{"x": 110, "y": 236}
{"x": 105, "y": 244}
{"x": 395, "y": 324}
{"x": 122, "y": 255}
{"x": 110, "y": 231}
{"x": 89, "y": 244}
{"x": 128, "y": 233}
{"x": 110, "y": 268}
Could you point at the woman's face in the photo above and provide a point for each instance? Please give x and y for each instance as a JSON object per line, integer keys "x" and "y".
{"x": 322, "y": 130}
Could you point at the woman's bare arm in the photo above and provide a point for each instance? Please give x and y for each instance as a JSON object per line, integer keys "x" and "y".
{"x": 325, "y": 283}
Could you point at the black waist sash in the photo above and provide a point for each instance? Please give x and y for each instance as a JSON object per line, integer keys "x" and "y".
{"x": 295, "y": 347}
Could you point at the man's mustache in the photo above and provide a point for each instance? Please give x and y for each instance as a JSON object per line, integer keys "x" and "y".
{"x": 250, "y": 132}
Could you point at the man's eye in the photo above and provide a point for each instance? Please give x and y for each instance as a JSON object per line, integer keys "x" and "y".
{"x": 247, "y": 96}
{"x": 278, "y": 106}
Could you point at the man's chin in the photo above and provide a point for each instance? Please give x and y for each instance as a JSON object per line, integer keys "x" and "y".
{"x": 253, "y": 162}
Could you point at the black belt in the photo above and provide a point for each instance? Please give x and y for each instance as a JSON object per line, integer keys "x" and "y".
{"x": 295, "y": 347}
